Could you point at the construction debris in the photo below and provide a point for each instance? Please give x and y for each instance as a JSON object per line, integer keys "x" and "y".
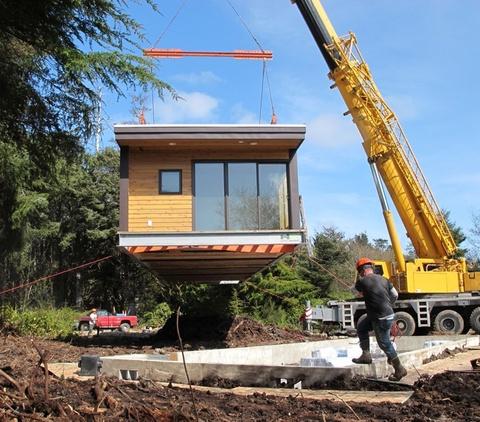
{"x": 27, "y": 394}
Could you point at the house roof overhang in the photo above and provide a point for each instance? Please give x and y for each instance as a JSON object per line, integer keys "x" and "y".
{"x": 261, "y": 136}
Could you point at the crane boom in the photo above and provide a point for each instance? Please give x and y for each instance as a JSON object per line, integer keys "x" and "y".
{"x": 387, "y": 148}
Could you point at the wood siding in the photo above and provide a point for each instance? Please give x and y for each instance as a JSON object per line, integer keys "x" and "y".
{"x": 173, "y": 212}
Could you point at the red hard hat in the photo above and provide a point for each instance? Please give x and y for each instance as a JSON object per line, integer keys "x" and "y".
{"x": 363, "y": 261}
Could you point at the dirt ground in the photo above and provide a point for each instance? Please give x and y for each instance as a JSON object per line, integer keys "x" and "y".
{"x": 26, "y": 393}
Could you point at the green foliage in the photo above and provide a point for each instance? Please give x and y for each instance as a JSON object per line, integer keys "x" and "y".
{"x": 157, "y": 316}
{"x": 457, "y": 233}
{"x": 474, "y": 239}
{"x": 55, "y": 56}
{"x": 331, "y": 261}
{"x": 58, "y": 204}
{"x": 278, "y": 295}
{"x": 235, "y": 305}
{"x": 42, "y": 322}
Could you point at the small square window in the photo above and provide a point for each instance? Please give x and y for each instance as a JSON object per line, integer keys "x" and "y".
{"x": 170, "y": 181}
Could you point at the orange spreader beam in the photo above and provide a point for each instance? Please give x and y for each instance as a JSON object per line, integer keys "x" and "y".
{"x": 237, "y": 54}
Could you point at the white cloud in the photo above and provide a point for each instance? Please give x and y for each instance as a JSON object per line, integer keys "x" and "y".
{"x": 191, "y": 107}
{"x": 332, "y": 131}
{"x": 242, "y": 115}
{"x": 199, "y": 78}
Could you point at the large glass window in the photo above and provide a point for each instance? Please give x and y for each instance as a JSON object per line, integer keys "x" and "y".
{"x": 255, "y": 196}
{"x": 242, "y": 204}
{"x": 209, "y": 196}
{"x": 272, "y": 196}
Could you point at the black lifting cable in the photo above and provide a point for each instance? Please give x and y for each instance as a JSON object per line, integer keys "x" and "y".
{"x": 182, "y": 5}
{"x": 264, "y": 71}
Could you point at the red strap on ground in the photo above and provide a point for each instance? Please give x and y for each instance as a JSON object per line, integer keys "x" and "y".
{"x": 48, "y": 277}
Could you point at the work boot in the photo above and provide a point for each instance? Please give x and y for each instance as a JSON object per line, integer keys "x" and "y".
{"x": 365, "y": 358}
{"x": 400, "y": 371}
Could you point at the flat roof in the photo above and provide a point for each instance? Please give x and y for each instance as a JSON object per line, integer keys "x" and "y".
{"x": 290, "y": 136}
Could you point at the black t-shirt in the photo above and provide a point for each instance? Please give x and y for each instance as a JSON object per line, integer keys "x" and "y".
{"x": 376, "y": 293}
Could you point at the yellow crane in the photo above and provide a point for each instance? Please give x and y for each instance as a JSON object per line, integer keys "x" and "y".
{"x": 436, "y": 278}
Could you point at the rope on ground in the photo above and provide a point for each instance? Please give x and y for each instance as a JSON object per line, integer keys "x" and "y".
{"x": 48, "y": 277}
{"x": 185, "y": 365}
{"x": 345, "y": 403}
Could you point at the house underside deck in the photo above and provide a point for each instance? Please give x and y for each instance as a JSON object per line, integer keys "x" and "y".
{"x": 214, "y": 257}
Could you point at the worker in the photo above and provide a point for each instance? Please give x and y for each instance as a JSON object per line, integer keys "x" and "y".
{"x": 379, "y": 295}
{"x": 92, "y": 322}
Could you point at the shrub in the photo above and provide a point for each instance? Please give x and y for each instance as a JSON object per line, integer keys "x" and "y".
{"x": 156, "y": 317}
{"x": 40, "y": 322}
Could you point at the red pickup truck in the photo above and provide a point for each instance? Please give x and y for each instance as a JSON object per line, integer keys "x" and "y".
{"x": 109, "y": 321}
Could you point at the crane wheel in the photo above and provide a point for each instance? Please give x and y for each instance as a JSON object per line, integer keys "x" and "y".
{"x": 475, "y": 320}
{"x": 449, "y": 322}
{"x": 405, "y": 323}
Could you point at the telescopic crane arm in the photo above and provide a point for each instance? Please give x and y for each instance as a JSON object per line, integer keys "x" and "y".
{"x": 389, "y": 153}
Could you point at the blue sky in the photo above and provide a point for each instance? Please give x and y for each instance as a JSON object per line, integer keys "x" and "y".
{"x": 424, "y": 56}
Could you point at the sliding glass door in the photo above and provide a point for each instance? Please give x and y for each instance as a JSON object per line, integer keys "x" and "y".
{"x": 209, "y": 197}
{"x": 272, "y": 196}
{"x": 240, "y": 196}
{"x": 242, "y": 204}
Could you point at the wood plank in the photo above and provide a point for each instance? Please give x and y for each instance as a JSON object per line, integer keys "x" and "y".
{"x": 164, "y": 228}
{"x": 161, "y": 212}
{"x": 185, "y": 200}
{"x": 223, "y": 269}
{"x": 162, "y": 216}
{"x": 189, "y": 256}
{"x": 334, "y": 395}
{"x": 172, "y": 211}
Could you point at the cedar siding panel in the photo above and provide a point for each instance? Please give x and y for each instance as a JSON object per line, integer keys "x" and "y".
{"x": 148, "y": 210}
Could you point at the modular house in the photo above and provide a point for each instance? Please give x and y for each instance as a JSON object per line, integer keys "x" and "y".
{"x": 209, "y": 203}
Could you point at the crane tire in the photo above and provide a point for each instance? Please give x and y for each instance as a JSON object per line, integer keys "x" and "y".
{"x": 475, "y": 320}
{"x": 449, "y": 322}
{"x": 405, "y": 323}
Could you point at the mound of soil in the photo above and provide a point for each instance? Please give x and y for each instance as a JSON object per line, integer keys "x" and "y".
{"x": 229, "y": 332}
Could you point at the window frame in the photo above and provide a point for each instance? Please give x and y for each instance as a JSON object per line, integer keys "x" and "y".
{"x": 180, "y": 181}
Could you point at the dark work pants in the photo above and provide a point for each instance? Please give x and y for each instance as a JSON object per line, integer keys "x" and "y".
{"x": 381, "y": 328}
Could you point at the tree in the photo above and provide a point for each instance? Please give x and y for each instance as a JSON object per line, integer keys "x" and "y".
{"x": 474, "y": 253}
{"x": 59, "y": 205}
{"x": 330, "y": 263}
{"x": 55, "y": 56}
{"x": 360, "y": 246}
{"x": 278, "y": 294}
{"x": 457, "y": 233}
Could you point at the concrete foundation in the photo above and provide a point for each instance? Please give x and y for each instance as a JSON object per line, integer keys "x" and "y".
{"x": 276, "y": 365}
